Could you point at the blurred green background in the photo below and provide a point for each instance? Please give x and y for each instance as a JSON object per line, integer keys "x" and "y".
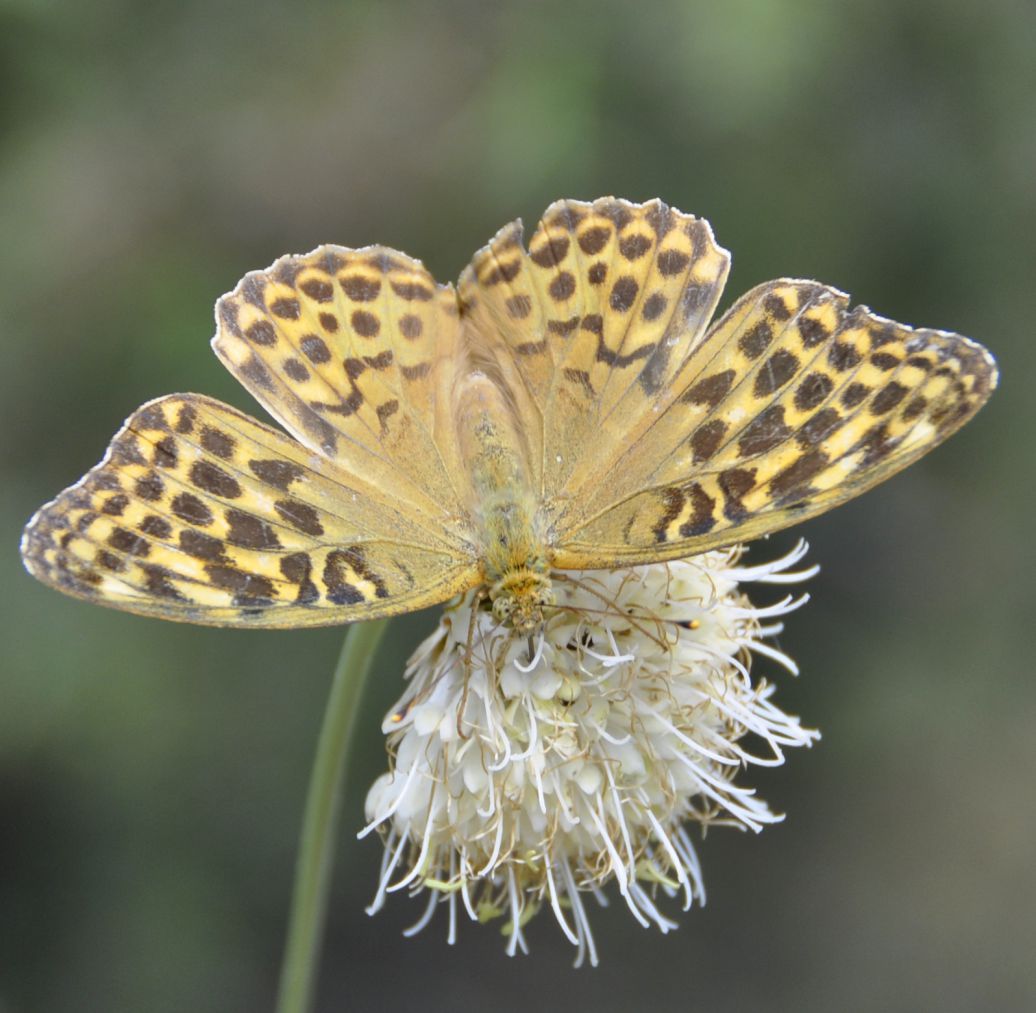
{"x": 152, "y": 776}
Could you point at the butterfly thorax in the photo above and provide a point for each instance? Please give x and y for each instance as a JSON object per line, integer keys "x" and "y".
{"x": 515, "y": 556}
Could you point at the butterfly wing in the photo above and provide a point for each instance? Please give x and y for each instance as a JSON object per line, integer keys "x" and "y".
{"x": 792, "y": 404}
{"x": 588, "y": 328}
{"x": 355, "y": 353}
{"x": 199, "y": 513}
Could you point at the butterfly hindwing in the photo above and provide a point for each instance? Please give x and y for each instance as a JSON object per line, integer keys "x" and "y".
{"x": 792, "y": 404}
{"x": 201, "y": 514}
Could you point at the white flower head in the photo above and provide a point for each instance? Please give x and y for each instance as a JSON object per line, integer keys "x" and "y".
{"x": 520, "y": 782}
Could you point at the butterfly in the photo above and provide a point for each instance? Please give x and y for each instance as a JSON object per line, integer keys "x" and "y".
{"x": 567, "y": 406}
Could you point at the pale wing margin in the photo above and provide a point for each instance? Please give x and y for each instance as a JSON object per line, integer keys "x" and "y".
{"x": 199, "y": 514}
{"x": 793, "y": 404}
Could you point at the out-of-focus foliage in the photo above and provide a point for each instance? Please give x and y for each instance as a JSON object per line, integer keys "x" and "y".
{"x": 151, "y": 776}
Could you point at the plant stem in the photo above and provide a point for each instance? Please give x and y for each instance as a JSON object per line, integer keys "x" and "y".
{"x": 319, "y": 825}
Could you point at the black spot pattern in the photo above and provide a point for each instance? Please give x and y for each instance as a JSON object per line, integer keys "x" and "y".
{"x": 211, "y": 478}
{"x": 624, "y": 293}
{"x": 189, "y": 508}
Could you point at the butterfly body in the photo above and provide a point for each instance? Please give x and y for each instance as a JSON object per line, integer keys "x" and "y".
{"x": 569, "y": 405}
{"x": 510, "y": 528}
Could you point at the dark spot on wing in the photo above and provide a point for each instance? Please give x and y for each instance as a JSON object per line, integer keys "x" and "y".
{"x": 778, "y": 369}
{"x": 755, "y": 341}
{"x": 156, "y": 527}
{"x": 711, "y": 390}
{"x": 819, "y": 427}
{"x": 247, "y": 587}
{"x": 189, "y": 508}
{"x": 706, "y": 439}
{"x": 624, "y": 293}
{"x": 791, "y": 482}
{"x": 318, "y": 289}
{"x": 776, "y": 307}
{"x": 315, "y": 349}
{"x": 885, "y": 361}
{"x": 654, "y": 306}
{"x": 672, "y": 262}
{"x": 365, "y": 324}
{"x": 415, "y": 291}
{"x": 115, "y": 505}
{"x": 843, "y": 355}
{"x": 262, "y": 333}
{"x": 735, "y": 482}
{"x": 634, "y": 246}
{"x": 157, "y": 580}
{"x": 166, "y": 454}
{"x": 562, "y": 287}
{"x": 888, "y": 397}
{"x": 202, "y": 546}
{"x": 410, "y": 326}
{"x": 213, "y": 479}
{"x": 298, "y": 568}
{"x": 128, "y": 542}
{"x": 286, "y": 309}
{"x": 295, "y": 370}
{"x": 854, "y": 394}
{"x": 702, "y": 506}
{"x": 519, "y": 306}
{"x": 551, "y": 252}
{"x": 813, "y": 390}
{"x": 360, "y": 288}
{"x": 301, "y": 516}
{"x": 766, "y": 431}
{"x": 217, "y": 442}
{"x": 813, "y": 331}
{"x": 250, "y": 532}
{"x": 595, "y": 239}
{"x": 276, "y": 473}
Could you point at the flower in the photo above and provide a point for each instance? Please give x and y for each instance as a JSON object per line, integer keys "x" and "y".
{"x": 517, "y": 782}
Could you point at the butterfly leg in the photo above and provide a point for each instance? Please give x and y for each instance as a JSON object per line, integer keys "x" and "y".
{"x": 480, "y": 596}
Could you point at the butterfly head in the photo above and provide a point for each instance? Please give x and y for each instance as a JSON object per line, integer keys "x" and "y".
{"x": 519, "y": 598}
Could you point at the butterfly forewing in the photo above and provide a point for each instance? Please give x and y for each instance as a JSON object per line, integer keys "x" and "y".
{"x": 356, "y": 353}
{"x": 591, "y": 324}
{"x": 791, "y": 405}
{"x": 198, "y": 513}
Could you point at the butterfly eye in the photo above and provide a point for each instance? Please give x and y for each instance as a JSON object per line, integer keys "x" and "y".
{"x": 503, "y": 607}
{"x": 545, "y": 596}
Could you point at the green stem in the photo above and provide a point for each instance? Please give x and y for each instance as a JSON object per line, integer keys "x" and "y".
{"x": 319, "y": 824}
